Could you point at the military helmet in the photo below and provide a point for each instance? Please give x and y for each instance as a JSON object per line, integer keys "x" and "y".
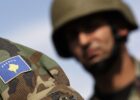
{"x": 65, "y": 11}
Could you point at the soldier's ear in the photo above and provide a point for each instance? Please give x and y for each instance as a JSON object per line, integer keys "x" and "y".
{"x": 123, "y": 32}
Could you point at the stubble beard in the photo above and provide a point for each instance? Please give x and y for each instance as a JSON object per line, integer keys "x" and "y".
{"x": 106, "y": 65}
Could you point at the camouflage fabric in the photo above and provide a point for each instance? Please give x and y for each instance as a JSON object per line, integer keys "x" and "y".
{"x": 134, "y": 93}
{"x": 46, "y": 80}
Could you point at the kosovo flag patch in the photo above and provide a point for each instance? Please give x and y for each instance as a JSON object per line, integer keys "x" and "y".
{"x": 12, "y": 67}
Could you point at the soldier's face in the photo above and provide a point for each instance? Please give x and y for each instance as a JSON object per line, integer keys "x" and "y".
{"x": 92, "y": 47}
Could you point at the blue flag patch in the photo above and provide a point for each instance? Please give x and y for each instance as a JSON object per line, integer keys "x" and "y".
{"x": 12, "y": 67}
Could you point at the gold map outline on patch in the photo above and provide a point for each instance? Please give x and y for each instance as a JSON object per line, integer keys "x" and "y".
{"x": 13, "y": 68}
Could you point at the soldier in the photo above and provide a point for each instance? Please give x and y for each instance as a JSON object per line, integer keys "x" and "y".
{"x": 27, "y": 74}
{"x": 95, "y": 32}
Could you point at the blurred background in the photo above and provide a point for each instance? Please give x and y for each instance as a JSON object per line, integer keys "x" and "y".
{"x": 28, "y": 22}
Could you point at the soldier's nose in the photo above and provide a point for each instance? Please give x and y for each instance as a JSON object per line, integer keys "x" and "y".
{"x": 84, "y": 38}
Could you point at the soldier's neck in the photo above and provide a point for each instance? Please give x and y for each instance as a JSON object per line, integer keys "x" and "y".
{"x": 116, "y": 81}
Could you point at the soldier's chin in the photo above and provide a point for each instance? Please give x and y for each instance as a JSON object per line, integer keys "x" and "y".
{"x": 104, "y": 65}
{"x": 96, "y": 60}
{"x": 98, "y": 66}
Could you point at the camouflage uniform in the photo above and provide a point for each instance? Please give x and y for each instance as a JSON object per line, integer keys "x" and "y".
{"x": 46, "y": 80}
{"x": 133, "y": 90}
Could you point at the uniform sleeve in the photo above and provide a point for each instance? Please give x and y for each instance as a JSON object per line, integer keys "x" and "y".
{"x": 62, "y": 89}
{"x": 45, "y": 81}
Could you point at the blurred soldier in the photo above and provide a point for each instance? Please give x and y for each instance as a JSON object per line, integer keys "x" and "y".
{"x": 95, "y": 32}
{"x": 27, "y": 74}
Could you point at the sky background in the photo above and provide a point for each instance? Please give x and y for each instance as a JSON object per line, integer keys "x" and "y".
{"x": 28, "y": 22}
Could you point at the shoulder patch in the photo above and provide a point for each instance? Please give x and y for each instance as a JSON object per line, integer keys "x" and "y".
{"x": 12, "y": 67}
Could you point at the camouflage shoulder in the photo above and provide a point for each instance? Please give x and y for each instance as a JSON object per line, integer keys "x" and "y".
{"x": 9, "y": 48}
{"x": 45, "y": 75}
{"x": 45, "y": 61}
{"x": 12, "y": 48}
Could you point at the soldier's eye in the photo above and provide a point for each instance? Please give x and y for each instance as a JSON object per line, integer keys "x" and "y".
{"x": 72, "y": 36}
